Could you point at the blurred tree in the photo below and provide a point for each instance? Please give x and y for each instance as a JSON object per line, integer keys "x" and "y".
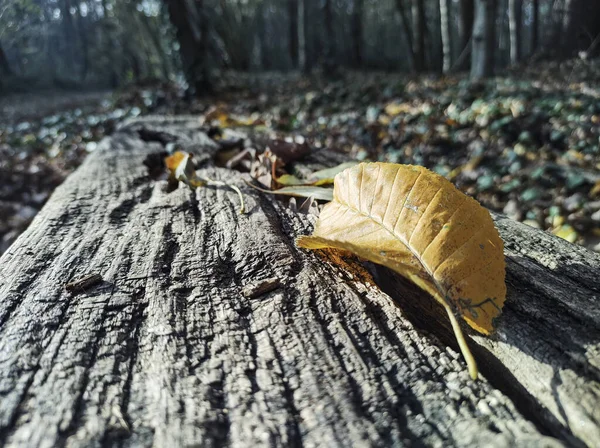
{"x": 357, "y": 32}
{"x": 5, "y": 69}
{"x": 418, "y": 17}
{"x": 568, "y": 32}
{"x": 514, "y": 21}
{"x": 406, "y": 28}
{"x": 482, "y": 55}
{"x": 189, "y": 20}
{"x": 535, "y": 24}
{"x": 446, "y": 34}
{"x": 329, "y": 54}
{"x": 92, "y": 43}
{"x": 466, "y": 20}
{"x": 293, "y": 31}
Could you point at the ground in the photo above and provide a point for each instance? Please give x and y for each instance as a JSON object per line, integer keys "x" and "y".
{"x": 526, "y": 143}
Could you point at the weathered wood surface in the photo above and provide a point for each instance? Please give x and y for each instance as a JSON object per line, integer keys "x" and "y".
{"x": 176, "y": 348}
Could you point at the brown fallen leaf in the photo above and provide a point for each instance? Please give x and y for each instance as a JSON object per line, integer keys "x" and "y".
{"x": 418, "y": 224}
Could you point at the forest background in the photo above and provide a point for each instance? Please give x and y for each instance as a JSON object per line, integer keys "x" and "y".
{"x": 500, "y": 96}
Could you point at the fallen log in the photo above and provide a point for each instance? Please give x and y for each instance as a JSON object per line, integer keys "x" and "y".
{"x": 211, "y": 328}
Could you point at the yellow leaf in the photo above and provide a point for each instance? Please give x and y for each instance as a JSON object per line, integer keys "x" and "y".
{"x": 303, "y": 191}
{"x": 595, "y": 191}
{"x": 321, "y": 177}
{"x": 566, "y": 232}
{"x": 393, "y": 109}
{"x": 180, "y": 166}
{"x": 173, "y": 161}
{"x": 418, "y": 224}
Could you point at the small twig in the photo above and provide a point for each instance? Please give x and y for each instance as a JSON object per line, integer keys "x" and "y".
{"x": 83, "y": 283}
{"x": 219, "y": 183}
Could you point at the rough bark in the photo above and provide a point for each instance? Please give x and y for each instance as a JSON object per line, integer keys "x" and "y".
{"x": 212, "y": 329}
{"x": 514, "y": 24}
{"x": 482, "y": 54}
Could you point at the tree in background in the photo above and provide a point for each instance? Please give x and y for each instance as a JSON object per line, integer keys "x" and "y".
{"x": 514, "y": 21}
{"x": 446, "y": 35}
{"x": 357, "y": 32}
{"x": 189, "y": 19}
{"x": 108, "y": 43}
{"x": 482, "y": 55}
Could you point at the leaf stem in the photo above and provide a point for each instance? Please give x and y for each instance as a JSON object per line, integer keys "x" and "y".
{"x": 220, "y": 183}
{"x": 462, "y": 343}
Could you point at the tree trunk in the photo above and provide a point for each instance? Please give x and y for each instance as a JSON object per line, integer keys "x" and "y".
{"x": 263, "y": 38}
{"x": 84, "y": 44}
{"x": 446, "y": 35}
{"x": 514, "y": 24}
{"x": 294, "y": 32}
{"x": 211, "y": 328}
{"x": 569, "y": 28}
{"x": 535, "y": 25}
{"x": 5, "y": 69}
{"x": 357, "y": 32}
{"x": 482, "y": 54}
{"x": 303, "y": 63}
{"x": 418, "y": 16}
{"x": 466, "y": 20}
{"x": 329, "y": 63}
{"x": 406, "y": 29}
{"x": 189, "y": 22}
{"x": 69, "y": 32}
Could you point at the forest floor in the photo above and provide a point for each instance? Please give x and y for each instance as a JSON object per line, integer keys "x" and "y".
{"x": 526, "y": 143}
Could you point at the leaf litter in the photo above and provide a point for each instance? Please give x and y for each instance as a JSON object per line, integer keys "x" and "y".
{"x": 526, "y": 143}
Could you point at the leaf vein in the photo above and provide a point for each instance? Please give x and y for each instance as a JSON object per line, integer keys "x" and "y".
{"x": 387, "y": 207}
{"x": 375, "y": 191}
{"x": 412, "y": 233}
{"x": 447, "y": 221}
{"x": 481, "y": 229}
{"x": 405, "y": 200}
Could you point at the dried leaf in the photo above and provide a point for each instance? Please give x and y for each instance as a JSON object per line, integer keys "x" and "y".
{"x": 418, "y": 224}
{"x": 321, "y": 177}
{"x": 319, "y": 193}
{"x": 181, "y": 168}
{"x": 328, "y": 174}
{"x": 566, "y": 232}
